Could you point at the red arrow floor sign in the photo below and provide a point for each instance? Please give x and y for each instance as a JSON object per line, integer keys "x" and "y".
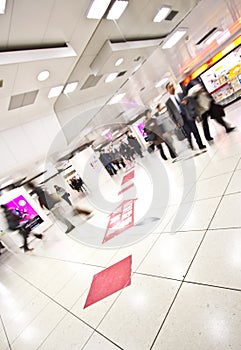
{"x": 120, "y": 220}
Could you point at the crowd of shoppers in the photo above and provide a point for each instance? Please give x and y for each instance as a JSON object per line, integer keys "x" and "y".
{"x": 183, "y": 111}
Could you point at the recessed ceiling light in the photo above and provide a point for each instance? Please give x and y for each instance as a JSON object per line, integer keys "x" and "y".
{"x": 111, "y": 77}
{"x": 161, "y": 82}
{"x": 70, "y": 87}
{"x": 213, "y": 37}
{"x": 43, "y": 75}
{"x": 55, "y": 91}
{"x": 2, "y": 6}
{"x": 117, "y": 98}
{"x": 162, "y": 14}
{"x": 98, "y": 9}
{"x": 174, "y": 38}
{"x": 117, "y": 9}
{"x": 119, "y": 61}
{"x": 137, "y": 67}
{"x": 157, "y": 98}
{"x": 105, "y": 132}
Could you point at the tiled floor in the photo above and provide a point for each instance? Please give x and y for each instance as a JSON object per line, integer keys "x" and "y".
{"x": 185, "y": 290}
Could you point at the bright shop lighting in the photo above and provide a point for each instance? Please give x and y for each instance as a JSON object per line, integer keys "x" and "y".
{"x": 213, "y": 37}
{"x": 43, "y": 75}
{"x": 98, "y": 8}
{"x": 117, "y": 98}
{"x": 55, "y": 91}
{"x": 111, "y": 77}
{"x": 161, "y": 82}
{"x": 119, "y": 62}
{"x": 70, "y": 87}
{"x": 162, "y": 14}
{"x": 2, "y": 6}
{"x": 117, "y": 9}
{"x": 174, "y": 38}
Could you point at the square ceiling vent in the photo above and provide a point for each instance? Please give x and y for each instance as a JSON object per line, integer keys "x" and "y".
{"x": 21, "y": 100}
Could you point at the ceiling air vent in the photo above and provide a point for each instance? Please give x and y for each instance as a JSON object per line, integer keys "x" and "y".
{"x": 121, "y": 73}
{"x": 91, "y": 81}
{"x": 206, "y": 35}
{"x": 21, "y": 100}
{"x": 171, "y": 15}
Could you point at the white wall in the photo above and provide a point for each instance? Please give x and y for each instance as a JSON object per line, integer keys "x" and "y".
{"x": 23, "y": 145}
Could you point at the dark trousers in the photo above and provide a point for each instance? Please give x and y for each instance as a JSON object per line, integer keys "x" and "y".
{"x": 172, "y": 153}
{"x": 206, "y": 126}
{"x": 24, "y": 233}
{"x": 190, "y": 128}
{"x": 66, "y": 198}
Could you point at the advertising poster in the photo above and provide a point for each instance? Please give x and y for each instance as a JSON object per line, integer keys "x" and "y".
{"x": 25, "y": 211}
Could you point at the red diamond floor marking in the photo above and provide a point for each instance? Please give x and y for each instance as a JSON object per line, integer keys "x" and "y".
{"x": 126, "y": 188}
{"x": 109, "y": 281}
{"x": 128, "y": 177}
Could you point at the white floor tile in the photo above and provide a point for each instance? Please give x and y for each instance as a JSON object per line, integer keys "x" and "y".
{"x": 22, "y": 319}
{"x": 3, "y": 340}
{"x": 235, "y": 183}
{"x": 77, "y": 286}
{"x": 209, "y": 188}
{"x": 172, "y": 254}
{"x": 98, "y": 342}
{"x": 94, "y": 313}
{"x": 218, "y": 261}
{"x": 219, "y": 167}
{"x": 38, "y": 330}
{"x": 202, "y": 318}
{"x": 139, "y": 312}
{"x": 137, "y": 250}
{"x": 228, "y": 213}
{"x": 70, "y": 333}
{"x": 193, "y": 215}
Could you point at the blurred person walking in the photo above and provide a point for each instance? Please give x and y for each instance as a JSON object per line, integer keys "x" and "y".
{"x": 207, "y": 107}
{"x": 51, "y": 203}
{"x": 63, "y": 194}
{"x": 181, "y": 117}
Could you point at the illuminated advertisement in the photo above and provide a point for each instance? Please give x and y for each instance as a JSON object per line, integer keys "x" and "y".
{"x": 25, "y": 211}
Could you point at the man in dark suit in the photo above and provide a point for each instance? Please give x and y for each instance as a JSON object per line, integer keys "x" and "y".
{"x": 179, "y": 116}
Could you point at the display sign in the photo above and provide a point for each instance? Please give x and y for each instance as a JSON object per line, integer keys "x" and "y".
{"x": 222, "y": 79}
{"x": 25, "y": 211}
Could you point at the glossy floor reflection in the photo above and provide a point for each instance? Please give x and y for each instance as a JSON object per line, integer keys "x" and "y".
{"x": 185, "y": 290}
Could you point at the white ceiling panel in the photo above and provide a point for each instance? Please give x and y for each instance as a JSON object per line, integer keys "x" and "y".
{"x": 29, "y": 21}
{"x": 26, "y": 77}
{"x": 7, "y": 74}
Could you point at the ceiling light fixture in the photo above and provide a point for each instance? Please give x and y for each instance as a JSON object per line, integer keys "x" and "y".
{"x": 12, "y": 57}
{"x": 161, "y": 82}
{"x": 162, "y": 14}
{"x": 213, "y": 37}
{"x": 43, "y": 75}
{"x": 70, "y": 87}
{"x": 111, "y": 77}
{"x": 117, "y": 98}
{"x": 119, "y": 62}
{"x": 98, "y": 8}
{"x": 55, "y": 91}
{"x": 157, "y": 98}
{"x": 117, "y": 9}
{"x": 105, "y": 132}
{"x": 174, "y": 38}
{"x": 2, "y": 6}
{"x": 137, "y": 67}
{"x": 115, "y": 132}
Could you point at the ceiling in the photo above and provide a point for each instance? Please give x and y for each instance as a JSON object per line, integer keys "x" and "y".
{"x": 98, "y": 44}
